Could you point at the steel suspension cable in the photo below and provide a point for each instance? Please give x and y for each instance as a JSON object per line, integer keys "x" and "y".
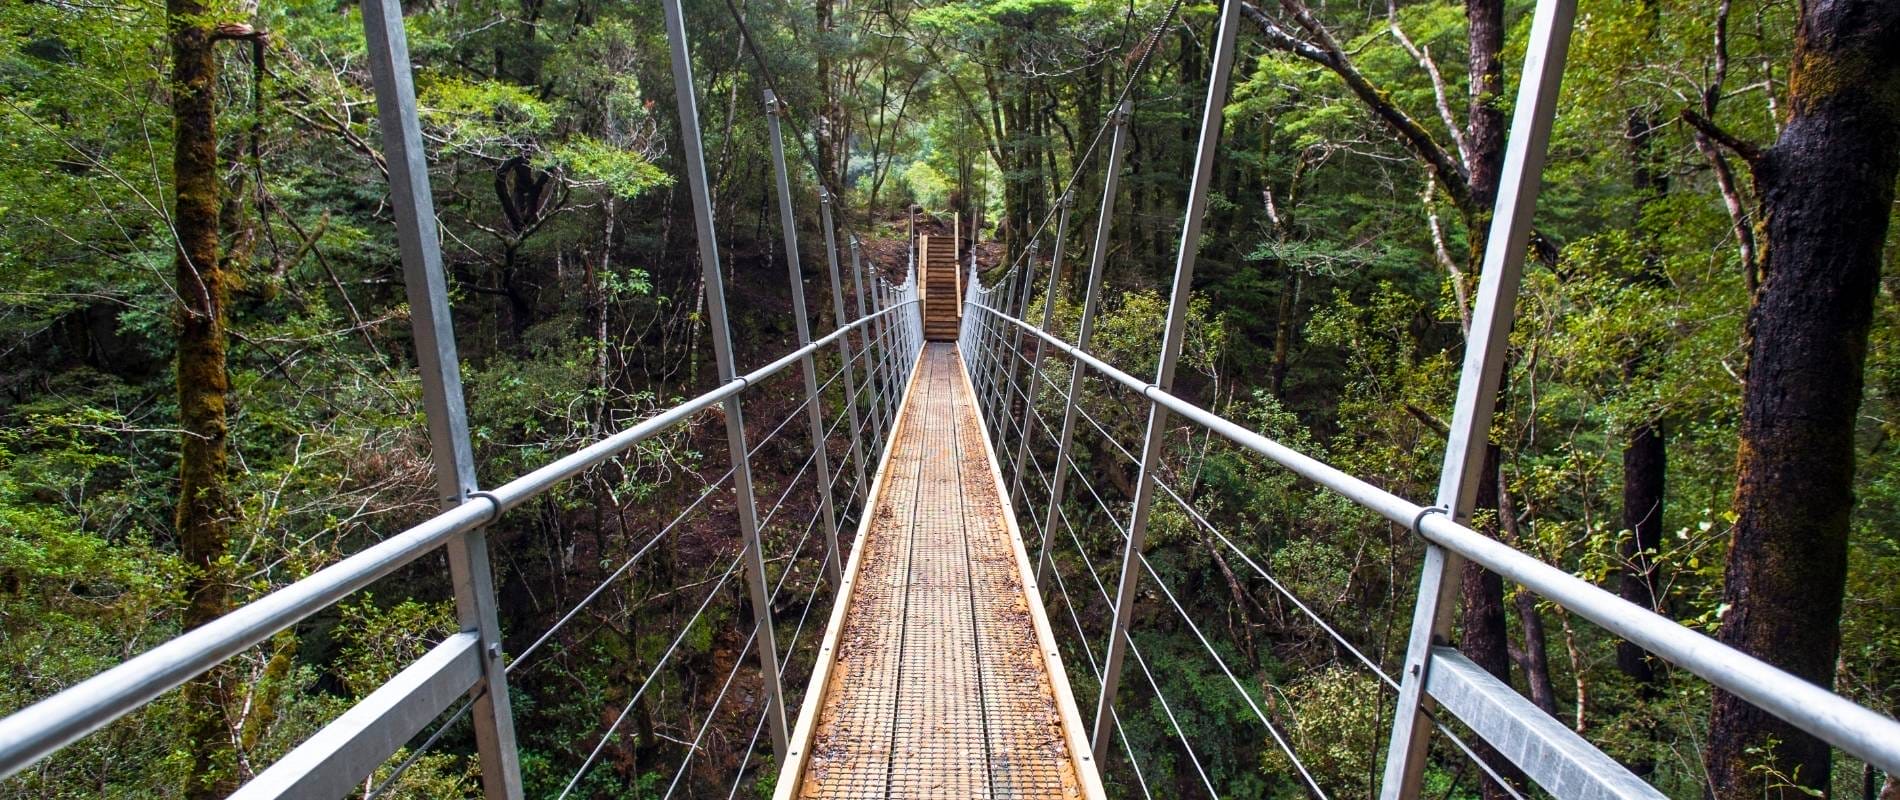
{"x": 1457, "y": 740}
{"x": 1201, "y": 520}
{"x": 792, "y": 648}
{"x": 1133, "y": 648}
{"x": 1088, "y": 653}
{"x": 671, "y": 648}
{"x": 738, "y": 660}
{"x": 1271, "y": 728}
{"x": 664, "y": 531}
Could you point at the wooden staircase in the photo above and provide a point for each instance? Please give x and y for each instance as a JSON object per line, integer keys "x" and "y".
{"x": 943, "y": 286}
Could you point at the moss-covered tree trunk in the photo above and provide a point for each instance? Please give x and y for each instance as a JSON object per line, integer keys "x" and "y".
{"x": 1826, "y": 196}
{"x": 202, "y": 520}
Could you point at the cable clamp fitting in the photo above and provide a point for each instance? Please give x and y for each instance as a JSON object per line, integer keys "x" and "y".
{"x": 494, "y": 502}
{"x": 1419, "y": 521}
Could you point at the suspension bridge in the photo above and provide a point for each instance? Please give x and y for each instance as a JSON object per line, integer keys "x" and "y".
{"x": 937, "y": 670}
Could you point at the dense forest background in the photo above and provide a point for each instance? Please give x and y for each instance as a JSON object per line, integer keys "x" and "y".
{"x": 207, "y": 386}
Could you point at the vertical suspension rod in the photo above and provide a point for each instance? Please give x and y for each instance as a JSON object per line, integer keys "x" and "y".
{"x": 1485, "y": 347}
{"x": 844, "y": 344}
{"x": 1006, "y": 399}
{"x": 434, "y": 331}
{"x": 814, "y": 404}
{"x": 999, "y": 336}
{"x": 865, "y": 340}
{"x": 1171, "y": 338}
{"x": 1098, "y": 259}
{"x": 1035, "y": 364}
{"x": 693, "y": 149}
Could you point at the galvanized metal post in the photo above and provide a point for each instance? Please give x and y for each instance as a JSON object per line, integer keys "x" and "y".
{"x": 434, "y": 331}
{"x": 865, "y": 340}
{"x": 1098, "y": 259}
{"x": 967, "y": 324}
{"x": 844, "y": 342}
{"x": 980, "y": 347}
{"x": 875, "y": 372}
{"x": 1171, "y": 338}
{"x": 966, "y": 319}
{"x": 1005, "y": 292}
{"x": 1067, "y": 204}
{"x": 999, "y": 393}
{"x": 1485, "y": 349}
{"x": 1015, "y": 354}
{"x": 892, "y": 338}
{"x": 970, "y": 334}
{"x": 880, "y": 331}
{"x": 695, "y": 168}
{"x": 814, "y": 403}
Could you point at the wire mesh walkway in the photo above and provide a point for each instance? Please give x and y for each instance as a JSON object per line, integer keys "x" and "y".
{"x": 940, "y": 677}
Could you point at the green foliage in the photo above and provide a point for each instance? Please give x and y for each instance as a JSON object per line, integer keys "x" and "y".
{"x": 625, "y": 174}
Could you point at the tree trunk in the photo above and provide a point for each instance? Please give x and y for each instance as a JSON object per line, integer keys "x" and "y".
{"x": 1826, "y": 193}
{"x": 1484, "y": 637}
{"x": 202, "y": 517}
{"x": 1283, "y": 330}
{"x": 1533, "y": 652}
{"x": 1645, "y": 451}
{"x": 826, "y": 132}
{"x": 1485, "y": 123}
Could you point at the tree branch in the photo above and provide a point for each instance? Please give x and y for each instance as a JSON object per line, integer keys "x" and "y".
{"x": 1445, "y": 169}
{"x": 1707, "y": 127}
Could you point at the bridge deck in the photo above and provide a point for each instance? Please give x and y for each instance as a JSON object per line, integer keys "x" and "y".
{"x": 939, "y": 676}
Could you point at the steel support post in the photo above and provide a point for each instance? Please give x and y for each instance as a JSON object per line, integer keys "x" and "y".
{"x": 1485, "y": 349}
{"x": 980, "y": 344}
{"x": 971, "y": 333}
{"x": 814, "y": 404}
{"x": 878, "y": 374}
{"x": 892, "y": 341}
{"x": 884, "y": 331}
{"x": 969, "y": 327}
{"x": 986, "y": 336}
{"x": 844, "y": 342}
{"x": 1067, "y": 204}
{"x": 434, "y": 331}
{"x": 694, "y": 165}
{"x": 992, "y": 333}
{"x": 1098, "y": 259}
{"x": 999, "y": 393}
{"x": 865, "y": 340}
{"x": 1013, "y": 354}
{"x": 1171, "y": 337}
{"x": 979, "y": 322}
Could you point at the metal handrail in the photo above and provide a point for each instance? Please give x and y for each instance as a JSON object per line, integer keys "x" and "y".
{"x": 1858, "y": 730}
{"x": 50, "y": 724}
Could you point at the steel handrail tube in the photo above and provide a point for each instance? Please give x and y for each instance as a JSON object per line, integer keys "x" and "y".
{"x": 1860, "y": 731}
{"x": 41, "y": 729}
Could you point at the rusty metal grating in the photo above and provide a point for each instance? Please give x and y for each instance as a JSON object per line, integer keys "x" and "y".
{"x": 939, "y": 689}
